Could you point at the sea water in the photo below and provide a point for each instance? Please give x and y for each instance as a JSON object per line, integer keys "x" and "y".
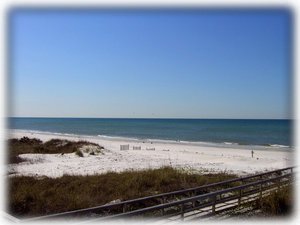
{"x": 226, "y": 131}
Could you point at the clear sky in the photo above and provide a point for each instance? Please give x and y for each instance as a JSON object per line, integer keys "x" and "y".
{"x": 151, "y": 64}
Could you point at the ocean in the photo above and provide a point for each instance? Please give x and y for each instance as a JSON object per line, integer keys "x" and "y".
{"x": 223, "y": 131}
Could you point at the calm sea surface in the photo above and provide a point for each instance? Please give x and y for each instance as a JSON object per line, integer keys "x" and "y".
{"x": 245, "y": 132}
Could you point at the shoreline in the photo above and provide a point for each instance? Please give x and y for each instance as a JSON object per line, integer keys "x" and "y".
{"x": 189, "y": 157}
{"x": 273, "y": 147}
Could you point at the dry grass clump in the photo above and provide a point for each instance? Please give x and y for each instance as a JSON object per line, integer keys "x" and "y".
{"x": 28, "y": 196}
{"x": 278, "y": 203}
{"x": 79, "y": 153}
{"x": 32, "y": 145}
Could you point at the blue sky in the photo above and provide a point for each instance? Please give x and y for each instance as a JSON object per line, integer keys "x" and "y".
{"x": 151, "y": 64}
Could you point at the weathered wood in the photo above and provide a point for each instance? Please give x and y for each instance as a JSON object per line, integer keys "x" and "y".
{"x": 240, "y": 197}
{"x": 182, "y": 211}
{"x": 214, "y": 204}
{"x": 124, "y": 208}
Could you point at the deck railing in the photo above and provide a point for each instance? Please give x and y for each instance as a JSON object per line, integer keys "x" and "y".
{"x": 183, "y": 201}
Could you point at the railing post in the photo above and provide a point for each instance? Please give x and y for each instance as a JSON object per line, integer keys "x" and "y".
{"x": 240, "y": 197}
{"x": 124, "y": 208}
{"x": 192, "y": 194}
{"x": 260, "y": 193}
{"x": 182, "y": 211}
{"x": 163, "y": 201}
{"x": 260, "y": 189}
{"x": 194, "y": 202}
{"x": 214, "y": 205}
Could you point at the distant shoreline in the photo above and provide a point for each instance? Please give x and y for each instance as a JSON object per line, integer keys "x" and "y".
{"x": 149, "y": 140}
{"x": 142, "y": 118}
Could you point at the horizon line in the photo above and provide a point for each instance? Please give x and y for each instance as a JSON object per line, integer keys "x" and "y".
{"x": 184, "y": 118}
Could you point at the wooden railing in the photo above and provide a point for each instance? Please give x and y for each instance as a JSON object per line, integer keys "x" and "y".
{"x": 211, "y": 199}
{"x": 183, "y": 201}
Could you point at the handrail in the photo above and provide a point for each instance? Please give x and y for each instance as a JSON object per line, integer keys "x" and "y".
{"x": 157, "y": 196}
{"x": 194, "y": 198}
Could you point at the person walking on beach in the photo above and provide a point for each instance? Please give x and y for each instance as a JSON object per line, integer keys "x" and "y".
{"x": 252, "y": 152}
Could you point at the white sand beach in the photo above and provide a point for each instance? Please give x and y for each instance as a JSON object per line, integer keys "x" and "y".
{"x": 189, "y": 156}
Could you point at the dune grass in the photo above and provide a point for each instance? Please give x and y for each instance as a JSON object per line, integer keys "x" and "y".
{"x": 28, "y": 196}
{"x": 32, "y": 145}
{"x": 278, "y": 203}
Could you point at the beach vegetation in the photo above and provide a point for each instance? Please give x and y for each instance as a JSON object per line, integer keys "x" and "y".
{"x": 29, "y": 196}
{"x": 16, "y": 159}
{"x": 27, "y": 145}
{"x": 79, "y": 153}
{"x": 278, "y": 203}
{"x": 98, "y": 151}
{"x": 87, "y": 150}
